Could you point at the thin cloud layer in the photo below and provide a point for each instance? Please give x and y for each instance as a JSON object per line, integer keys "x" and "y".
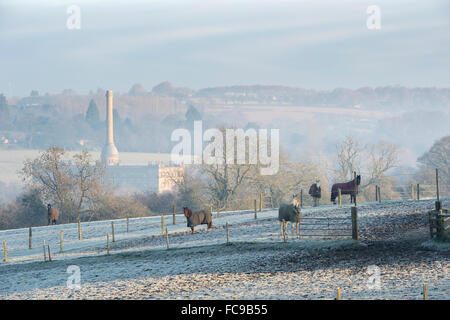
{"x": 198, "y": 44}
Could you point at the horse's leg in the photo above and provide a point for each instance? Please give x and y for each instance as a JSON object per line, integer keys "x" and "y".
{"x": 192, "y": 230}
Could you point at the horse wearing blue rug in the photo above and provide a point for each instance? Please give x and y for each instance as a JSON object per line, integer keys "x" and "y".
{"x": 196, "y": 218}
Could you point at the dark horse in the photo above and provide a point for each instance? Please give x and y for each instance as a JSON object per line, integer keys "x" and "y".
{"x": 316, "y": 192}
{"x": 350, "y": 188}
{"x": 196, "y": 218}
{"x": 52, "y": 214}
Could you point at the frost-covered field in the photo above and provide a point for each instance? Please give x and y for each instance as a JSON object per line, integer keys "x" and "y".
{"x": 257, "y": 264}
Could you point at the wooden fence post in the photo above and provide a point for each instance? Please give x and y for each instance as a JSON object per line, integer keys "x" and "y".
{"x": 412, "y": 191}
{"x": 430, "y": 221}
{"x": 355, "y": 235}
{"x": 112, "y": 232}
{"x": 260, "y": 201}
{"x": 376, "y": 193}
{"x": 425, "y": 291}
{"x": 79, "y": 230}
{"x": 30, "y": 238}
{"x": 441, "y": 226}
{"x": 173, "y": 214}
{"x": 5, "y": 250}
{"x": 438, "y": 203}
{"x": 128, "y": 223}
{"x": 49, "y": 253}
{"x": 418, "y": 191}
{"x": 162, "y": 224}
{"x": 356, "y": 187}
{"x": 107, "y": 244}
{"x": 45, "y": 255}
{"x": 167, "y": 239}
{"x": 255, "y": 210}
{"x": 437, "y": 184}
{"x": 218, "y": 208}
{"x": 228, "y": 235}
{"x": 301, "y": 198}
{"x": 340, "y": 197}
{"x": 379, "y": 194}
{"x": 61, "y": 242}
{"x": 338, "y": 295}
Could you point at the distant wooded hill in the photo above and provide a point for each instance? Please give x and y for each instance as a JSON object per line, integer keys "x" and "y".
{"x": 40, "y": 121}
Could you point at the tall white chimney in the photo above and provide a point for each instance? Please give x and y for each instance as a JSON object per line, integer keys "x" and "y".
{"x": 110, "y": 155}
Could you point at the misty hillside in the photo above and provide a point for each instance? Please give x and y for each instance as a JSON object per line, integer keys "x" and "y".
{"x": 410, "y": 117}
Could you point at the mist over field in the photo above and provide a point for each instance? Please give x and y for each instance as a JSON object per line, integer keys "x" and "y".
{"x": 316, "y": 71}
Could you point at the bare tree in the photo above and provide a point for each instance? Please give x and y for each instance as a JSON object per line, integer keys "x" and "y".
{"x": 226, "y": 177}
{"x": 348, "y": 157}
{"x": 51, "y": 176}
{"x": 380, "y": 158}
{"x": 373, "y": 161}
{"x": 289, "y": 180}
{"x": 438, "y": 157}
{"x": 76, "y": 188}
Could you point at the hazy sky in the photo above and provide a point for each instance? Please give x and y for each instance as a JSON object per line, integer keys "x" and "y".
{"x": 311, "y": 44}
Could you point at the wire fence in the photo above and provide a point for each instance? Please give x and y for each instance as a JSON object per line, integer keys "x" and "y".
{"x": 249, "y": 207}
{"x": 329, "y": 227}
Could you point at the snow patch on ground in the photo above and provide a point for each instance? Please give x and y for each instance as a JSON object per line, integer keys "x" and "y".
{"x": 257, "y": 264}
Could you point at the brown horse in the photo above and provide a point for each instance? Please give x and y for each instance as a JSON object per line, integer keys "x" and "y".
{"x": 196, "y": 218}
{"x": 350, "y": 187}
{"x": 53, "y": 214}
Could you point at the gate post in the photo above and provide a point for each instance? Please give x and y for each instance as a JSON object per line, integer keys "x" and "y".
{"x": 260, "y": 201}
{"x": 379, "y": 194}
{"x": 301, "y": 198}
{"x": 437, "y": 186}
{"x": 355, "y": 235}
{"x": 438, "y": 205}
{"x": 339, "y": 196}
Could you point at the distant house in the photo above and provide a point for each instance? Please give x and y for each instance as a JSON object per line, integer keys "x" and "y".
{"x": 153, "y": 177}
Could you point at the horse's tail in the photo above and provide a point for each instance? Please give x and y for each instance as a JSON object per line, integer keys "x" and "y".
{"x": 53, "y": 214}
{"x": 208, "y": 216}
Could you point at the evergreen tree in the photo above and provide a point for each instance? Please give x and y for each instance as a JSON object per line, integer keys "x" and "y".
{"x": 92, "y": 113}
{"x": 4, "y": 112}
{"x": 192, "y": 114}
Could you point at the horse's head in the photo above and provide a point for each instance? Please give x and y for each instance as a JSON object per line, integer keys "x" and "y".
{"x": 358, "y": 180}
{"x": 49, "y": 206}
{"x": 187, "y": 212}
{"x": 296, "y": 200}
